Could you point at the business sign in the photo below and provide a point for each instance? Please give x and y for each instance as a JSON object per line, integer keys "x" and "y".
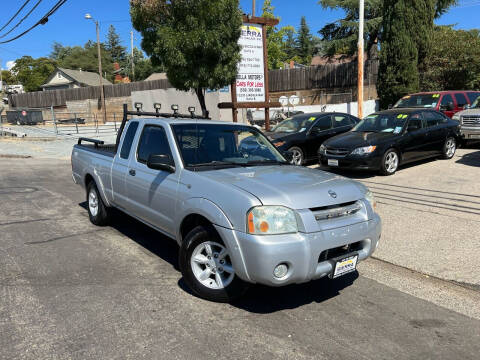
{"x": 250, "y": 84}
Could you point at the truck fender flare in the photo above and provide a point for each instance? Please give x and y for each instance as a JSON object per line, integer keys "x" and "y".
{"x": 203, "y": 207}
{"x": 100, "y": 186}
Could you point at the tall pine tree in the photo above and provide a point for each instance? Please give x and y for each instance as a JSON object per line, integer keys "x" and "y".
{"x": 114, "y": 46}
{"x": 406, "y": 40}
{"x": 304, "y": 42}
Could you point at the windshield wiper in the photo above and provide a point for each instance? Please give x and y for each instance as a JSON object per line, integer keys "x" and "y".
{"x": 266, "y": 162}
{"x": 216, "y": 163}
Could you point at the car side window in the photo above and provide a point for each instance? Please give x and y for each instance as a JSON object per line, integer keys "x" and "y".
{"x": 128, "y": 139}
{"x": 153, "y": 142}
{"x": 446, "y": 99}
{"x": 433, "y": 118}
{"x": 341, "y": 120}
{"x": 473, "y": 96}
{"x": 461, "y": 100}
{"x": 323, "y": 123}
{"x": 415, "y": 123}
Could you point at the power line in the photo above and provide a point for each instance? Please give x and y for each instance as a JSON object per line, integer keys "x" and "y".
{"x": 14, "y": 16}
{"x": 42, "y": 21}
{"x": 21, "y": 20}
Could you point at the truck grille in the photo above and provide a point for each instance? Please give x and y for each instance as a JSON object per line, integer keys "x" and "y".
{"x": 337, "y": 152}
{"x": 336, "y": 211}
{"x": 340, "y": 251}
{"x": 471, "y": 120}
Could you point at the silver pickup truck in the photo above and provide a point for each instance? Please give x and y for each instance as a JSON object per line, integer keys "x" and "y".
{"x": 239, "y": 211}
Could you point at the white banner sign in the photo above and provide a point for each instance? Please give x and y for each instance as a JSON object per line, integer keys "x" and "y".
{"x": 251, "y": 73}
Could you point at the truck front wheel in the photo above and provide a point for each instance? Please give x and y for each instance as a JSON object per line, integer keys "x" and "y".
{"x": 207, "y": 268}
{"x": 97, "y": 211}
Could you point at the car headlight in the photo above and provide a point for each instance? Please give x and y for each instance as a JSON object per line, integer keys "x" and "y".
{"x": 456, "y": 117}
{"x": 322, "y": 150}
{"x": 371, "y": 199}
{"x": 267, "y": 220}
{"x": 364, "y": 150}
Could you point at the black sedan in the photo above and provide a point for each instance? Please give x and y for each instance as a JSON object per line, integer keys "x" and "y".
{"x": 303, "y": 134}
{"x": 387, "y": 139}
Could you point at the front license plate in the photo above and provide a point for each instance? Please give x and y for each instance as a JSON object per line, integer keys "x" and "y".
{"x": 345, "y": 266}
{"x": 474, "y": 137}
{"x": 332, "y": 162}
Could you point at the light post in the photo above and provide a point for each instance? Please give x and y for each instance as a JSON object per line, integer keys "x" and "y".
{"x": 102, "y": 94}
{"x": 360, "y": 60}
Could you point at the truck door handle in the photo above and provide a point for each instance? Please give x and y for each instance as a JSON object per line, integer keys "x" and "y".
{"x": 132, "y": 172}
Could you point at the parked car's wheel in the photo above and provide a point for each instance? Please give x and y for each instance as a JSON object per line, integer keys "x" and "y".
{"x": 390, "y": 162}
{"x": 98, "y": 213}
{"x": 449, "y": 148}
{"x": 207, "y": 268}
{"x": 298, "y": 158}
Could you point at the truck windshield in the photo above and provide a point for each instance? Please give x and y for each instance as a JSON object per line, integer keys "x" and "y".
{"x": 418, "y": 101}
{"x": 206, "y": 146}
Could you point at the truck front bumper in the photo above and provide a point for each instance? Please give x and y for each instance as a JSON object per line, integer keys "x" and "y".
{"x": 470, "y": 133}
{"x": 307, "y": 255}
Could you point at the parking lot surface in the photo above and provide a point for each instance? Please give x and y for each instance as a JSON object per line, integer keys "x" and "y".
{"x": 72, "y": 290}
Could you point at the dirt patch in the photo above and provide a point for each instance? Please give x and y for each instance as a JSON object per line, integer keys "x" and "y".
{"x": 12, "y": 156}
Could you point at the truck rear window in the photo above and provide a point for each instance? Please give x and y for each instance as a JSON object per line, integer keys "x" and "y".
{"x": 128, "y": 140}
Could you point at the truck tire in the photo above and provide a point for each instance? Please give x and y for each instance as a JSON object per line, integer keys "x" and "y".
{"x": 207, "y": 268}
{"x": 98, "y": 213}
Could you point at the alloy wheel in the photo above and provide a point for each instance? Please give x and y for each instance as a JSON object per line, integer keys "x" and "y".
{"x": 297, "y": 157}
{"x": 391, "y": 162}
{"x": 93, "y": 203}
{"x": 211, "y": 265}
{"x": 450, "y": 148}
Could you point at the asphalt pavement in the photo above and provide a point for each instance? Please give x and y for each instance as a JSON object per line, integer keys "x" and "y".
{"x": 70, "y": 290}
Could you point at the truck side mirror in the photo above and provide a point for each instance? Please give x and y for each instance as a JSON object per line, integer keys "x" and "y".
{"x": 161, "y": 162}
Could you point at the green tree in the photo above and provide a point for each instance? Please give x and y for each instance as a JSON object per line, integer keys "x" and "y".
{"x": 86, "y": 58}
{"x": 32, "y": 73}
{"x": 114, "y": 46}
{"x": 305, "y": 42}
{"x": 196, "y": 41}
{"x": 8, "y": 77}
{"x": 143, "y": 66}
{"x": 341, "y": 36}
{"x": 454, "y": 61}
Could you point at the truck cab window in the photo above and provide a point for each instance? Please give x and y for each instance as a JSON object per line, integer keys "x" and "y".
{"x": 153, "y": 142}
{"x": 128, "y": 140}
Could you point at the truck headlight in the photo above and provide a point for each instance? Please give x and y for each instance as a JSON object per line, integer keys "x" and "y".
{"x": 364, "y": 150}
{"x": 456, "y": 117}
{"x": 268, "y": 220}
{"x": 371, "y": 199}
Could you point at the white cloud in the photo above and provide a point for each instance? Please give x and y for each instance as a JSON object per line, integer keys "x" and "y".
{"x": 10, "y": 64}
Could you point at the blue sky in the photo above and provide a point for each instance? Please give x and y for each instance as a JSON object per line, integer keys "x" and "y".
{"x": 69, "y": 27}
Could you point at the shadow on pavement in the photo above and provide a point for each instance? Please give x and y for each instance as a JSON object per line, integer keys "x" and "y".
{"x": 470, "y": 159}
{"x": 265, "y": 300}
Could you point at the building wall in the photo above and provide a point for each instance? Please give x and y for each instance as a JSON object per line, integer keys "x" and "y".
{"x": 56, "y": 81}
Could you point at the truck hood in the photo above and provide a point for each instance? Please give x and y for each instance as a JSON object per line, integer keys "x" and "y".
{"x": 291, "y": 186}
{"x": 475, "y": 111}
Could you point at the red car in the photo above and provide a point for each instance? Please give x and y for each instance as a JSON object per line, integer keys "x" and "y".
{"x": 449, "y": 102}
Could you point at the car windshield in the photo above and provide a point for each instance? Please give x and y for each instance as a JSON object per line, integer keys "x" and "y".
{"x": 418, "y": 101}
{"x": 207, "y": 146}
{"x": 387, "y": 123}
{"x": 294, "y": 124}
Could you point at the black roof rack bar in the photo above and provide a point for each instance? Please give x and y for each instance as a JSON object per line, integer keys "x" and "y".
{"x": 157, "y": 113}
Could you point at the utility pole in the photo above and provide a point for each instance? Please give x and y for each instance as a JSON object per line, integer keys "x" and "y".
{"x": 100, "y": 72}
{"x": 253, "y": 8}
{"x": 133, "y": 59}
{"x": 360, "y": 60}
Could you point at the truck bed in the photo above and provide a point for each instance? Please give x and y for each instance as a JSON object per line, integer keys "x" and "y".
{"x": 107, "y": 149}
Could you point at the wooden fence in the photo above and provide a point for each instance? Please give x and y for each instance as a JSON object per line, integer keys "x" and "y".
{"x": 43, "y": 99}
{"x": 328, "y": 76}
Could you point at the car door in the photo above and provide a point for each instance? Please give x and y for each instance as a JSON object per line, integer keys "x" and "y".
{"x": 412, "y": 142}
{"x": 152, "y": 193}
{"x": 320, "y": 131}
{"x": 437, "y": 129}
{"x": 120, "y": 165}
{"x": 447, "y": 105}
